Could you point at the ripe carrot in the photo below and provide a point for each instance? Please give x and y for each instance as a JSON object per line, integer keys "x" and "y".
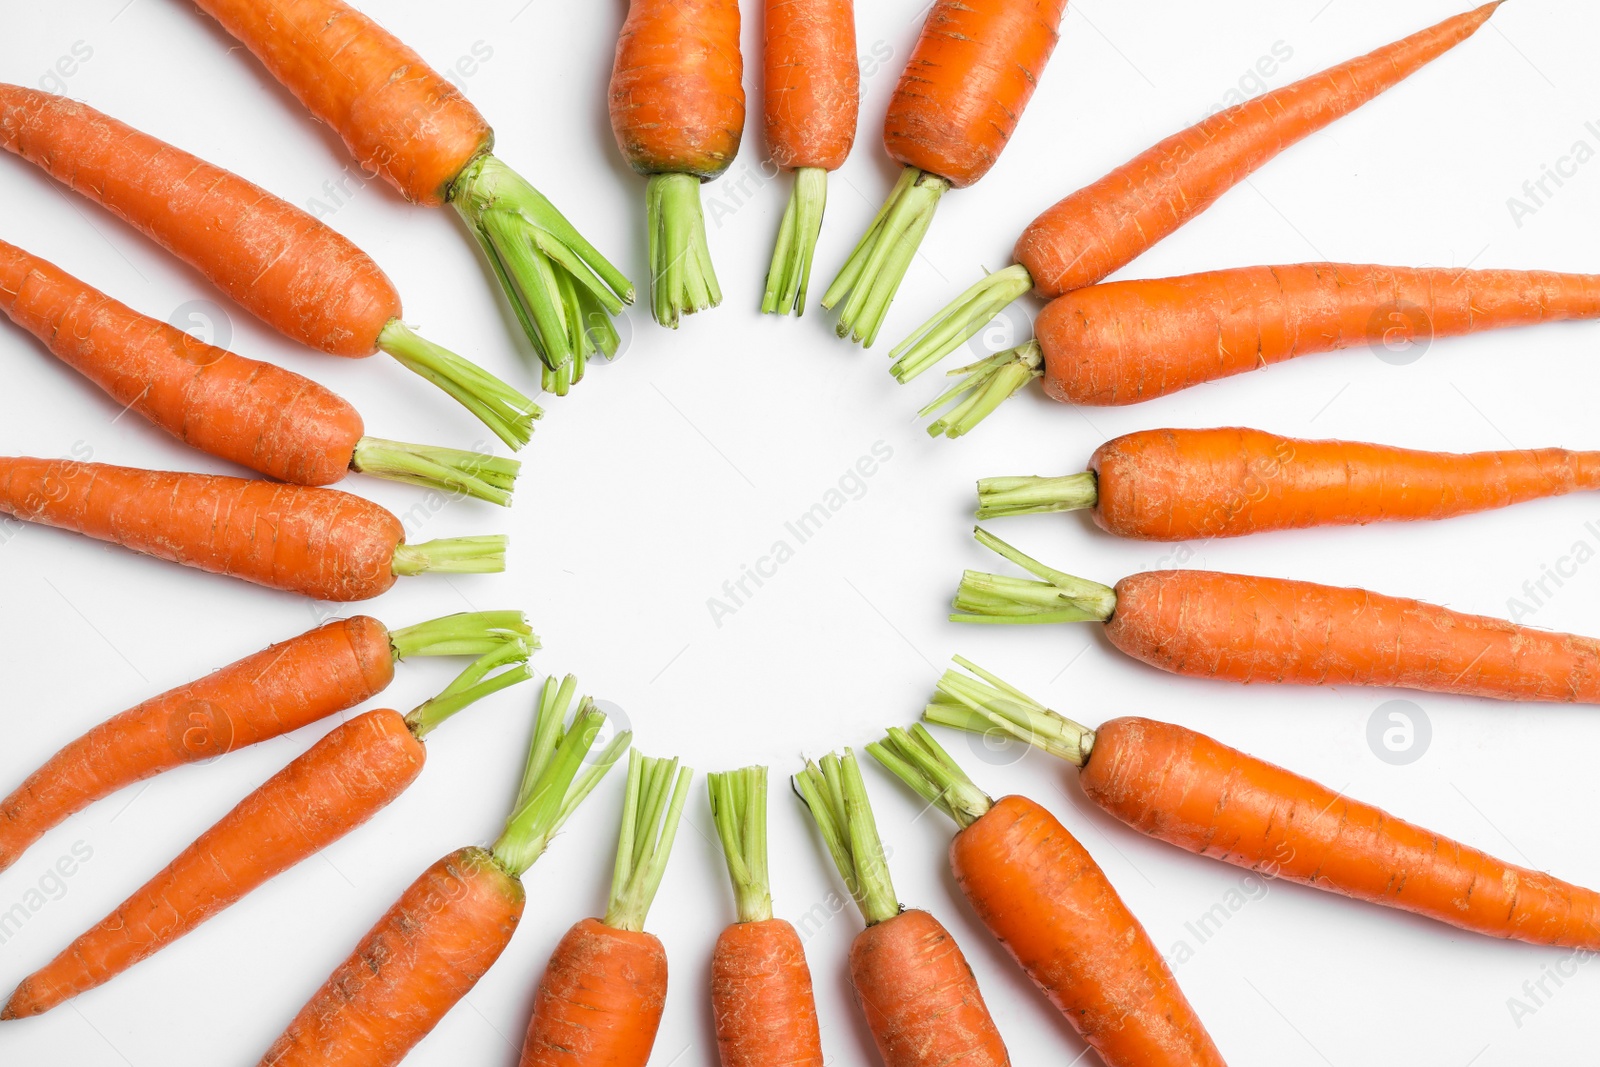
{"x": 1103, "y": 227}
{"x": 276, "y": 691}
{"x": 1182, "y": 485}
{"x": 400, "y": 118}
{"x": 321, "y": 543}
{"x": 761, "y": 999}
{"x": 1241, "y": 628}
{"x": 811, "y": 100}
{"x": 1046, "y": 900}
{"x": 258, "y": 415}
{"x": 448, "y": 928}
{"x": 677, "y": 111}
{"x": 602, "y": 994}
{"x": 1192, "y": 791}
{"x": 278, "y": 262}
{"x": 335, "y": 786}
{"x": 971, "y": 74}
{"x": 919, "y": 996}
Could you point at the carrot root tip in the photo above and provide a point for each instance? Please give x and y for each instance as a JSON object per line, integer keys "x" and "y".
{"x": 1001, "y": 497}
{"x": 989, "y": 383}
{"x": 963, "y": 319}
{"x": 789, "y": 277}
{"x": 682, "y": 280}
{"x": 499, "y": 406}
{"x": 450, "y": 470}
{"x": 872, "y": 274}
{"x": 452, "y": 555}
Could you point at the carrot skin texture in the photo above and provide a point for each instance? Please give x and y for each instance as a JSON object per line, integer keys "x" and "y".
{"x": 1125, "y": 342}
{"x": 761, "y": 998}
{"x": 970, "y": 75}
{"x": 920, "y": 998}
{"x": 422, "y": 957}
{"x": 1197, "y": 793}
{"x": 397, "y": 115}
{"x": 1047, "y": 901}
{"x": 600, "y": 1000}
{"x": 339, "y": 783}
{"x": 1096, "y": 231}
{"x": 291, "y": 271}
{"x": 273, "y": 692}
{"x": 812, "y": 82}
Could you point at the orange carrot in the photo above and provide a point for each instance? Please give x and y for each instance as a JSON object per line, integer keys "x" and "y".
{"x": 1189, "y": 790}
{"x": 915, "y": 988}
{"x": 278, "y": 262}
{"x": 274, "y": 692}
{"x": 970, "y": 76}
{"x": 677, "y": 110}
{"x": 1241, "y": 628}
{"x": 1046, "y": 900}
{"x": 339, "y": 783}
{"x": 258, "y": 415}
{"x": 1101, "y": 228}
{"x": 448, "y": 928}
{"x": 320, "y": 543}
{"x": 1184, "y": 485}
{"x": 400, "y": 118}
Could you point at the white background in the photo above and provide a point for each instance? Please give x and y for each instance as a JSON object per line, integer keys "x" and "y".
{"x": 660, "y": 476}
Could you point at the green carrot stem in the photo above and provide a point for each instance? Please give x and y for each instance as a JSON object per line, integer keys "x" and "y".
{"x": 837, "y": 798}
{"x": 789, "y": 277}
{"x": 452, "y": 555}
{"x": 959, "y": 322}
{"x": 682, "y": 280}
{"x": 1000, "y": 497}
{"x": 990, "y": 704}
{"x": 449, "y": 469}
{"x": 471, "y": 686}
{"x": 990, "y": 382}
{"x": 872, "y": 274}
{"x": 739, "y": 809}
{"x": 657, "y": 790}
{"x": 500, "y": 407}
{"x": 467, "y": 633}
{"x": 918, "y": 760}
{"x": 1060, "y": 597}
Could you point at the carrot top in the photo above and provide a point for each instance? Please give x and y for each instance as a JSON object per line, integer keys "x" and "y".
{"x": 453, "y": 470}
{"x": 452, "y": 555}
{"x": 837, "y": 798}
{"x": 872, "y": 274}
{"x": 789, "y": 276}
{"x": 739, "y": 808}
{"x": 472, "y": 685}
{"x": 989, "y": 383}
{"x": 914, "y": 757}
{"x": 467, "y": 633}
{"x": 999, "y": 497}
{"x": 960, "y": 322}
{"x": 657, "y": 791}
{"x": 1060, "y": 597}
{"x": 984, "y": 704}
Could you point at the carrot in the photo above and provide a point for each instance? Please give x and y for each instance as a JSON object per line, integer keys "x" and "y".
{"x": 278, "y": 262}
{"x": 321, "y": 543}
{"x": 339, "y": 783}
{"x": 448, "y": 928}
{"x": 276, "y": 691}
{"x": 1192, "y": 791}
{"x": 1182, "y": 485}
{"x": 400, "y": 118}
{"x": 811, "y": 100}
{"x": 677, "y": 111}
{"x": 971, "y": 74}
{"x": 915, "y": 988}
{"x": 1046, "y": 900}
{"x": 603, "y": 991}
{"x": 761, "y": 998}
{"x": 1103, "y": 227}
{"x": 1241, "y": 628}
{"x": 258, "y": 415}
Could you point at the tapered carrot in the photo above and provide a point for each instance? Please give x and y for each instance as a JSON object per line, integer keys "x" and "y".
{"x": 811, "y": 100}
{"x": 321, "y": 543}
{"x": 915, "y": 988}
{"x": 761, "y": 998}
{"x": 1101, "y": 228}
{"x": 677, "y": 111}
{"x": 1183, "y": 485}
{"x": 335, "y": 786}
{"x": 258, "y": 415}
{"x": 1189, "y": 790}
{"x": 1046, "y": 900}
{"x": 448, "y": 928}
{"x": 1241, "y": 628}
{"x": 278, "y": 262}
{"x": 971, "y": 74}
{"x": 276, "y": 691}
{"x": 400, "y": 118}
{"x": 602, "y": 994}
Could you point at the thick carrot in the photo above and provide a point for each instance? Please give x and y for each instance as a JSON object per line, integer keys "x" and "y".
{"x": 915, "y": 988}
{"x": 275, "y": 260}
{"x": 1241, "y": 628}
{"x": 677, "y": 111}
{"x": 1046, "y": 900}
{"x": 1101, "y": 228}
{"x": 971, "y": 74}
{"x": 761, "y": 997}
{"x": 276, "y": 691}
{"x": 400, "y": 118}
{"x": 1189, "y": 790}
{"x": 449, "y": 927}
{"x": 339, "y": 783}
{"x": 321, "y": 543}
{"x": 812, "y": 83}
{"x": 1183, "y": 485}
{"x": 258, "y": 415}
